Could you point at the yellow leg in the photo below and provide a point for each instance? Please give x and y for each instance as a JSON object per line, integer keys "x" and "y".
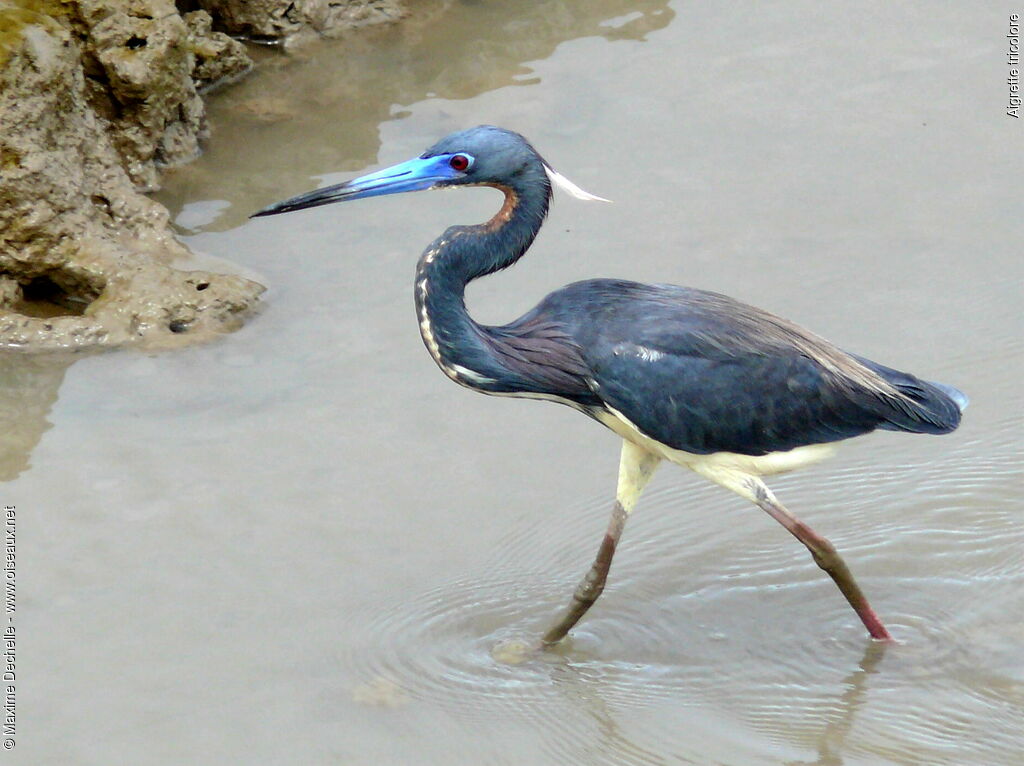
{"x": 636, "y": 466}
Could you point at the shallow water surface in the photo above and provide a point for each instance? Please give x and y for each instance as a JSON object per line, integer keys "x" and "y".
{"x": 301, "y": 544}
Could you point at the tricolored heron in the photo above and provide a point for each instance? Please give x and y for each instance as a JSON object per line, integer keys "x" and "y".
{"x": 697, "y": 378}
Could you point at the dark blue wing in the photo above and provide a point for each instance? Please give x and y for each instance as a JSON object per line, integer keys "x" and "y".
{"x": 747, "y": 403}
{"x": 703, "y": 373}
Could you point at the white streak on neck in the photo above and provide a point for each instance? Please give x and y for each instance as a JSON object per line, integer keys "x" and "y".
{"x": 569, "y": 187}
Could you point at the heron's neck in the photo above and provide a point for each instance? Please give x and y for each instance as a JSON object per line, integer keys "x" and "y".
{"x": 463, "y": 253}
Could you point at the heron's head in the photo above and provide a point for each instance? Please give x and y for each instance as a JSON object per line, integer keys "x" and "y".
{"x": 484, "y": 155}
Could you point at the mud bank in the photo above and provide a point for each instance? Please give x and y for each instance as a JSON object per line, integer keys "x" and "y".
{"x": 95, "y": 98}
{"x": 289, "y": 21}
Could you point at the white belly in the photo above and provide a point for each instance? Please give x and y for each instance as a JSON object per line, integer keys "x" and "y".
{"x": 718, "y": 463}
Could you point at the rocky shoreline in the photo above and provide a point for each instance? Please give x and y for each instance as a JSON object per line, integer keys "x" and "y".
{"x": 95, "y": 98}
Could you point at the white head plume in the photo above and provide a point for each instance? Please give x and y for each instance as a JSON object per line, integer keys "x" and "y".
{"x": 569, "y": 187}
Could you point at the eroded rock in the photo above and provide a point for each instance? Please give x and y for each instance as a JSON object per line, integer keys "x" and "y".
{"x": 138, "y": 62}
{"x": 281, "y": 20}
{"x": 218, "y": 58}
{"x": 95, "y": 97}
{"x": 91, "y": 256}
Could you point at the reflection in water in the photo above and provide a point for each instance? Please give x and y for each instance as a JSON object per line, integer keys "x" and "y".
{"x": 611, "y": 745}
{"x": 832, "y": 742}
{"x": 349, "y": 88}
{"x": 28, "y": 389}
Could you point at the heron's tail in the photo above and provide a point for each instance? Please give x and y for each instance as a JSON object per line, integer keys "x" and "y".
{"x": 930, "y": 408}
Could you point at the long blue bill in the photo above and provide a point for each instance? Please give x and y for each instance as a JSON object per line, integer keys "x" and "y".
{"x": 414, "y": 175}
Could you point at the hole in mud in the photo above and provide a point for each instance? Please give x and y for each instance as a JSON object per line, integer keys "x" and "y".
{"x": 42, "y": 297}
{"x": 178, "y": 326}
{"x": 202, "y": 286}
{"x": 101, "y": 202}
{"x": 135, "y": 42}
{"x": 9, "y": 158}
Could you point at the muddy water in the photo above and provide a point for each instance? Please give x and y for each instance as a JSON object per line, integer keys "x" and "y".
{"x": 300, "y": 544}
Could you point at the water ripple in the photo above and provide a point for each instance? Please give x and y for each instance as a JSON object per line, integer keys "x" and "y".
{"x": 712, "y": 608}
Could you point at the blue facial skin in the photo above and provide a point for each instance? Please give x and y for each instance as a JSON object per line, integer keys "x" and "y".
{"x": 414, "y": 175}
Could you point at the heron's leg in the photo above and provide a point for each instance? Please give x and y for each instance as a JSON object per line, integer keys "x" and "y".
{"x": 823, "y": 552}
{"x": 636, "y": 466}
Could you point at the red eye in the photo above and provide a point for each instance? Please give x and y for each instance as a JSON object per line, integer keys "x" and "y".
{"x": 459, "y": 162}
